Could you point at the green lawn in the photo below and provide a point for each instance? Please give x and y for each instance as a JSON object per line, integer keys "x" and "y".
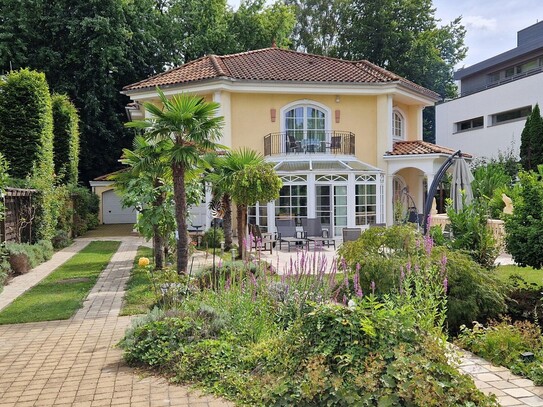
{"x": 527, "y": 273}
{"x": 62, "y": 293}
{"x": 139, "y": 296}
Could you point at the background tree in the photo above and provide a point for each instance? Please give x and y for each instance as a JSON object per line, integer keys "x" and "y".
{"x": 255, "y": 25}
{"x": 65, "y": 140}
{"x": 187, "y": 126}
{"x": 402, "y": 36}
{"x": 525, "y": 226}
{"x": 254, "y": 183}
{"x": 88, "y": 49}
{"x": 318, "y": 25}
{"x": 531, "y": 141}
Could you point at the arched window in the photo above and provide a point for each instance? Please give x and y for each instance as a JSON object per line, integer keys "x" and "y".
{"x": 305, "y": 122}
{"x": 398, "y": 125}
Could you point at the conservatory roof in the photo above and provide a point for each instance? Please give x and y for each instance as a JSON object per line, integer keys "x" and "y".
{"x": 321, "y": 164}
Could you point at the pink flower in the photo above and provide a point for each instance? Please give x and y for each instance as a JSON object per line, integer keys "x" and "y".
{"x": 445, "y": 284}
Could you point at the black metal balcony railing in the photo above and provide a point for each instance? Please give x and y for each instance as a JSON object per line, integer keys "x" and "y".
{"x": 321, "y": 142}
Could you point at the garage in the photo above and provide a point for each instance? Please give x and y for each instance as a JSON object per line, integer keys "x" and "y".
{"x": 113, "y": 211}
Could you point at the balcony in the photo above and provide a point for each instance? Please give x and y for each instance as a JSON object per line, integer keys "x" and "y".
{"x": 319, "y": 142}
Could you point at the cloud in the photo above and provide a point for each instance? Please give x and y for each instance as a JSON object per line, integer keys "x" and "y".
{"x": 480, "y": 23}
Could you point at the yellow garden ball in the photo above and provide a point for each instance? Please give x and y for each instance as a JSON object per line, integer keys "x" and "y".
{"x": 143, "y": 261}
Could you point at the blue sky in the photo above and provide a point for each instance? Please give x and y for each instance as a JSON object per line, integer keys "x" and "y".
{"x": 491, "y": 25}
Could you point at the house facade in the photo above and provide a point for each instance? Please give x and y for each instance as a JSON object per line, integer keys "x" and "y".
{"x": 345, "y": 137}
{"x": 496, "y": 96}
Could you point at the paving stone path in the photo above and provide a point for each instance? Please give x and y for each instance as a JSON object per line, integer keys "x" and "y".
{"x": 511, "y": 390}
{"x": 74, "y": 362}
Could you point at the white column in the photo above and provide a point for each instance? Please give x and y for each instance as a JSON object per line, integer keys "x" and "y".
{"x": 311, "y": 196}
{"x": 223, "y": 98}
{"x": 389, "y": 192}
{"x": 351, "y": 200}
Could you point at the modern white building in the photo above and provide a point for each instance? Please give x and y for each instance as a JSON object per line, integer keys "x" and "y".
{"x": 496, "y": 96}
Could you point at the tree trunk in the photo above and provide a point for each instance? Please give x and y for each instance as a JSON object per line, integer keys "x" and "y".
{"x": 227, "y": 222}
{"x": 158, "y": 248}
{"x": 181, "y": 217}
{"x": 241, "y": 211}
{"x": 158, "y": 239}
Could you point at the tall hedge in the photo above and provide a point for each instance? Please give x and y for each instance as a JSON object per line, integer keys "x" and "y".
{"x": 531, "y": 141}
{"x": 26, "y": 140}
{"x": 26, "y": 123}
{"x": 65, "y": 139}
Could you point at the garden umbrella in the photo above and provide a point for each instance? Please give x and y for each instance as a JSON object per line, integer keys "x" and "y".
{"x": 461, "y": 183}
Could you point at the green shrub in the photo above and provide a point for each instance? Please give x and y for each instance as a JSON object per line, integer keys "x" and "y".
{"x": 26, "y": 124}
{"x": 503, "y": 342}
{"x": 61, "y": 240}
{"x": 524, "y": 227}
{"x": 213, "y": 238}
{"x": 24, "y": 256}
{"x": 524, "y": 300}
{"x": 388, "y": 351}
{"x": 85, "y": 210}
{"x": 26, "y": 140}
{"x": 66, "y": 139}
{"x": 471, "y": 233}
{"x": 383, "y": 255}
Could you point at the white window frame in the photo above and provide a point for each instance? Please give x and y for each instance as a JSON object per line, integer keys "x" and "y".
{"x": 397, "y": 112}
{"x": 305, "y": 103}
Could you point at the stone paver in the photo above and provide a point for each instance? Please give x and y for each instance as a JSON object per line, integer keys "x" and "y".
{"x": 75, "y": 362}
{"x": 510, "y": 389}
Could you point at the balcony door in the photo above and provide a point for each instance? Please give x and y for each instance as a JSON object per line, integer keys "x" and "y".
{"x": 307, "y": 123}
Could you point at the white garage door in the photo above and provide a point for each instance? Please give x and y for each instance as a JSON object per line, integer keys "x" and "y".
{"x": 113, "y": 211}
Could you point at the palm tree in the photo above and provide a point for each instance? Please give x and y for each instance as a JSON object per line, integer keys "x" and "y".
{"x": 227, "y": 173}
{"x": 146, "y": 183}
{"x": 189, "y": 126}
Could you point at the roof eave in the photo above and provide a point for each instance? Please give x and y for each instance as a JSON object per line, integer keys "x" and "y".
{"x": 275, "y": 86}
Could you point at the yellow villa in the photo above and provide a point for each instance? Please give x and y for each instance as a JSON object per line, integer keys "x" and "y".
{"x": 345, "y": 136}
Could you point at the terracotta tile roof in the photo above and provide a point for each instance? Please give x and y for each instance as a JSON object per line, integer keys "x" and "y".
{"x": 106, "y": 177}
{"x": 420, "y": 147}
{"x": 276, "y": 64}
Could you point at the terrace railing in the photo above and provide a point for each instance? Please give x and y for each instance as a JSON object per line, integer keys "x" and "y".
{"x": 319, "y": 142}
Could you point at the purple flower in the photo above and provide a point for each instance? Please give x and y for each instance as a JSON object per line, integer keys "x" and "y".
{"x": 344, "y": 299}
{"x": 357, "y": 288}
{"x": 428, "y": 244}
{"x": 443, "y": 264}
{"x": 445, "y": 284}
{"x": 372, "y": 286}
{"x": 228, "y": 284}
{"x": 357, "y": 267}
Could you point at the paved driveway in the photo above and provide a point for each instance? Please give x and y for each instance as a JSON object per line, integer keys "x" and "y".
{"x": 75, "y": 363}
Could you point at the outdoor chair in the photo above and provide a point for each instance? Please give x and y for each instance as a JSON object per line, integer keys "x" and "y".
{"x": 335, "y": 144}
{"x": 261, "y": 241}
{"x": 314, "y": 232}
{"x": 286, "y": 233}
{"x": 351, "y": 234}
{"x": 293, "y": 145}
